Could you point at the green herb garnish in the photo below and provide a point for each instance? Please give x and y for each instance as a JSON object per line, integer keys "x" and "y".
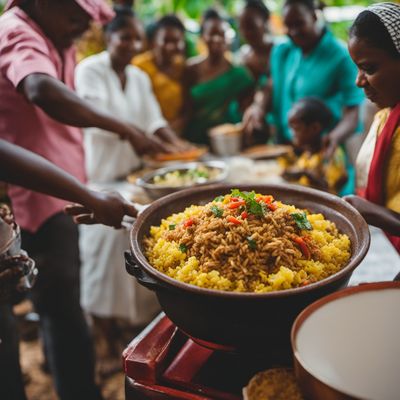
{"x": 171, "y": 227}
{"x": 218, "y": 212}
{"x": 302, "y": 221}
{"x": 252, "y": 206}
{"x": 252, "y": 243}
{"x": 219, "y": 199}
{"x": 183, "y": 248}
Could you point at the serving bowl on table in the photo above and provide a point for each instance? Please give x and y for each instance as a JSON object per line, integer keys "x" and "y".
{"x": 156, "y": 189}
{"x": 226, "y": 139}
{"x": 346, "y": 345}
{"x": 243, "y": 322}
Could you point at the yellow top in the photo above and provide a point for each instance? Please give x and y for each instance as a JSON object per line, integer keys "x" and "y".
{"x": 392, "y": 168}
{"x": 168, "y": 91}
{"x": 332, "y": 171}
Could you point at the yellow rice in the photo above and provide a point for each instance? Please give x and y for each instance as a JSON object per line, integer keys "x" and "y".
{"x": 331, "y": 250}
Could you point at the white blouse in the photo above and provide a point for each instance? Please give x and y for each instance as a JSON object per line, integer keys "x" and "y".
{"x": 108, "y": 157}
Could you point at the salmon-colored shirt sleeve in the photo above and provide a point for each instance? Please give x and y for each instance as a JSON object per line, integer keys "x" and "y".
{"x": 23, "y": 54}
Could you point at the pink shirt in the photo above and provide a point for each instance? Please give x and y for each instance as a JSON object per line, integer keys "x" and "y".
{"x": 24, "y": 50}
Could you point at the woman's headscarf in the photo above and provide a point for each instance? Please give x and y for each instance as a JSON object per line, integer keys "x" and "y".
{"x": 97, "y": 9}
{"x": 389, "y": 15}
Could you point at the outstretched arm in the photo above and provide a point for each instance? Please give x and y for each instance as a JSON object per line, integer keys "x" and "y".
{"x": 63, "y": 105}
{"x": 342, "y": 131}
{"x": 21, "y": 167}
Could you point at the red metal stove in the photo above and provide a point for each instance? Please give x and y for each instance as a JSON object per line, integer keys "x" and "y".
{"x": 163, "y": 363}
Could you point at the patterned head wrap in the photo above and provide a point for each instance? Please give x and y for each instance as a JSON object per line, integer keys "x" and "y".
{"x": 97, "y": 9}
{"x": 389, "y": 15}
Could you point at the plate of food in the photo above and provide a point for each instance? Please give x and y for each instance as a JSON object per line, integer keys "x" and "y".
{"x": 180, "y": 176}
{"x": 266, "y": 151}
{"x": 164, "y": 159}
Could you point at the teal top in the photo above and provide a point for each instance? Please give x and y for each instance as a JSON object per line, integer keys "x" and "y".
{"x": 327, "y": 72}
{"x": 212, "y": 99}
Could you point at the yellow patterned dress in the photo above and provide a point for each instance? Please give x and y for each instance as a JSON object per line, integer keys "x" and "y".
{"x": 332, "y": 171}
{"x": 168, "y": 91}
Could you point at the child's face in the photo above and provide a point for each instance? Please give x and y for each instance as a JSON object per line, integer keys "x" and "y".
{"x": 304, "y": 135}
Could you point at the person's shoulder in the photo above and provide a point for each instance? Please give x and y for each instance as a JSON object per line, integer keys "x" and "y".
{"x": 143, "y": 59}
{"x": 335, "y": 46}
{"x": 193, "y": 62}
{"x": 282, "y": 45}
{"x": 137, "y": 74}
{"x": 97, "y": 63}
{"x": 15, "y": 27}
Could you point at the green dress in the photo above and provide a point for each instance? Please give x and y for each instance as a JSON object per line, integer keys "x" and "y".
{"x": 212, "y": 99}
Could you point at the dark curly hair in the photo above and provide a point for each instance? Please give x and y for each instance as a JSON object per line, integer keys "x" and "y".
{"x": 259, "y": 7}
{"x": 312, "y": 109}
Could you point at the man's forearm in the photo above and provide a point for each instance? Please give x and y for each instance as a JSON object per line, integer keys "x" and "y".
{"x": 63, "y": 105}
{"x": 24, "y": 168}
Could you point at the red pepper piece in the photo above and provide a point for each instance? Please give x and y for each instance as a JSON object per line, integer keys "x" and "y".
{"x": 303, "y": 246}
{"x": 236, "y": 204}
{"x": 272, "y": 206}
{"x": 233, "y": 220}
{"x": 268, "y": 199}
{"x": 244, "y": 215}
{"x": 188, "y": 222}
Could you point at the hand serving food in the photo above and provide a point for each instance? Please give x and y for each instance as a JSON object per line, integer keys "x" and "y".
{"x": 102, "y": 208}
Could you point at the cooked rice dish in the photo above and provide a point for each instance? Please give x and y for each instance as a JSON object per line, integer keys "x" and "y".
{"x": 247, "y": 242}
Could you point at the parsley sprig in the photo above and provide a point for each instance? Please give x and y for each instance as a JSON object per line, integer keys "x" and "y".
{"x": 302, "y": 221}
{"x": 252, "y": 206}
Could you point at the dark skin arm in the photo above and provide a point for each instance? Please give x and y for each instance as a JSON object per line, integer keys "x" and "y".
{"x": 253, "y": 118}
{"x": 63, "y": 105}
{"x": 24, "y": 168}
{"x": 342, "y": 131}
{"x": 376, "y": 215}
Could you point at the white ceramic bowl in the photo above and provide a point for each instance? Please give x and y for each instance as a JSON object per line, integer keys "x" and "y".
{"x": 347, "y": 345}
{"x": 226, "y": 140}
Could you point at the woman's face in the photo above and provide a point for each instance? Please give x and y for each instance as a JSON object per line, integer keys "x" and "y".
{"x": 252, "y": 27}
{"x": 169, "y": 42}
{"x": 215, "y": 36}
{"x": 301, "y": 25}
{"x": 126, "y": 42}
{"x": 378, "y": 73}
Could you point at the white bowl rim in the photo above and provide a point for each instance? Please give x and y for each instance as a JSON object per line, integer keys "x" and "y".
{"x": 313, "y": 307}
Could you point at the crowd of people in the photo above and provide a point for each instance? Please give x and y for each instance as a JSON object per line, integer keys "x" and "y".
{"x": 62, "y": 126}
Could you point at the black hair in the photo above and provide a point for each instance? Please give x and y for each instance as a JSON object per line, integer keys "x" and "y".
{"x": 309, "y": 4}
{"x": 209, "y": 15}
{"x": 168, "y": 21}
{"x": 312, "y": 109}
{"x": 368, "y": 27}
{"x": 259, "y": 7}
{"x": 122, "y": 18}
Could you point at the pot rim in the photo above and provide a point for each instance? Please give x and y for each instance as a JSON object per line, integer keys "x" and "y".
{"x": 313, "y": 307}
{"x": 364, "y": 238}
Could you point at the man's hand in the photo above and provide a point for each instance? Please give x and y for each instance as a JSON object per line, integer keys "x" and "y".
{"x": 102, "y": 208}
{"x": 253, "y": 119}
{"x": 143, "y": 144}
{"x": 329, "y": 145}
